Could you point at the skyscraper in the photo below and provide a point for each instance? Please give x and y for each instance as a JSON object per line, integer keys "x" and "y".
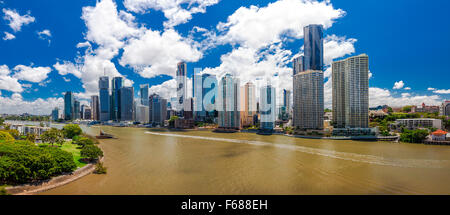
{"x": 287, "y": 99}
{"x": 68, "y": 106}
{"x": 76, "y": 110}
{"x": 228, "y": 103}
{"x": 95, "y": 108}
{"x": 210, "y": 87}
{"x": 308, "y": 82}
{"x": 105, "y": 102}
{"x": 158, "y": 110}
{"x": 313, "y": 45}
{"x": 117, "y": 84}
{"x": 55, "y": 114}
{"x": 248, "y": 103}
{"x": 308, "y": 99}
{"x": 351, "y": 92}
{"x": 445, "y": 109}
{"x": 143, "y": 91}
{"x": 267, "y": 107}
{"x": 126, "y": 95}
{"x": 298, "y": 64}
{"x": 197, "y": 94}
{"x": 181, "y": 84}
{"x": 87, "y": 112}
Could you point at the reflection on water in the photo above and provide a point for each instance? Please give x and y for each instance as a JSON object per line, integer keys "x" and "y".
{"x": 145, "y": 161}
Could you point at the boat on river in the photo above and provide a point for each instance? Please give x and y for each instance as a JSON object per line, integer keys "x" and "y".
{"x": 104, "y": 135}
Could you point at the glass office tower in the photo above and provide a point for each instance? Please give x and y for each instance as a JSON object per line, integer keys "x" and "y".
{"x": 143, "y": 91}
{"x": 95, "y": 108}
{"x": 298, "y": 64}
{"x": 68, "y": 106}
{"x": 103, "y": 85}
{"x": 181, "y": 84}
{"x": 117, "y": 84}
{"x": 267, "y": 107}
{"x": 126, "y": 95}
{"x": 76, "y": 110}
{"x": 55, "y": 114}
{"x": 228, "y": 103}
{"x": 313, "y": 45}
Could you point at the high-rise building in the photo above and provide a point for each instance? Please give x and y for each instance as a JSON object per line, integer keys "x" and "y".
{"x": 68, "y": 106}
{"x": 287, "y": 99}
{"x": 181, "y": 84}
{"x": 126, "y": 95}
{"x": 351, "y": 92}
{"x": 143, "y": 91}
{"x": 105, "y": 102}
{"x": 248, "y": 104}
{"x": 267, "y": 107}
{"x": 308, "y": 100}
{"x": 197, "y": 94}
{"x": 117, "y": 84}
{"x": 188, "y": 108}
{"x": 205, "y": 91}
{"x": 87, "y": 112}
{"x": 76, "y": 110}
{"x": 313, "y": 45}
{"x": 142, "y": 113}
{"x": 445, "y": 109}
{"x": 95, "y": 108}
{"x": 55, "y": 114}
{"x": 308, "y": 82}
{"x": 228, "y": 103}
{"x": 298, "y": 64}
{"x": 158, "y": 110}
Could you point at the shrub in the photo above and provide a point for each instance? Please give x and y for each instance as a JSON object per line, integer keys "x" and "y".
{"x": 15, "y": 133}
{"x": 72, "y": 130}
{"x": 6, "y": 136}
{"x": 84, "y": 141}
{"x": 91, "y": 152}
{"x": 100, "y": 169}
{"x": 413, "y": 136}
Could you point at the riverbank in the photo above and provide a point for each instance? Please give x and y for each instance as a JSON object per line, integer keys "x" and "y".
{"x": 34, "y": 188}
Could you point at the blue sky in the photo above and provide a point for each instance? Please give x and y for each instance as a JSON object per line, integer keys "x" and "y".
{"x": 49, "y": 47}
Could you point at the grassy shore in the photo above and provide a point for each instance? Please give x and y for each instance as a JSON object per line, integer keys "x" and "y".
{"x": 73, "y": 149}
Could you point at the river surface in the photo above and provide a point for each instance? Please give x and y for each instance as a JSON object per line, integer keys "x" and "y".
{"x": 149, "y": 161}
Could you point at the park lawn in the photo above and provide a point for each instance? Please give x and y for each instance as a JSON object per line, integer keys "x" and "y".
{"x": 72, "y": 148}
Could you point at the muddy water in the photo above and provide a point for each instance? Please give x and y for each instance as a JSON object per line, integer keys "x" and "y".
{"x": 146, "y": 161}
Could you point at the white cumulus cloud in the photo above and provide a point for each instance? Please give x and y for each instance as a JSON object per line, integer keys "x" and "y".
{"x": 32, "y": 74}
{"x": 16, "y": 21}
{"x": 8, "y": 36}
{"x": 398, "y": 85}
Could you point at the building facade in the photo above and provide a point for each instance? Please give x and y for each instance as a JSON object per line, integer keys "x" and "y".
{"x": 267, "y": 107}
{"x": 228, "y": 103}
{"x": 105, "y": 103}
{"x": 68, "y": 106}
{"x": 158, "y": 110}
{"x": 350, "y": 92}
{"x": 117, "y": 84}
{"x": 420, "y": 123}
{"x": 425, "y": 109}
{"x": 248, "y": 104}
{"x": 313, "y": 45}
{"x": 144, "y": 93}
{"x": 55, "y": 114}
{"x": 287, "y": 100}
{"x": 181, "y": 84}
{"x": 445, "y": 109}
{"x": 126, "y": 95}
{"x": 308, "y": 100}
{"x": 95, "y": 108}
{"x": 298, "y": 64}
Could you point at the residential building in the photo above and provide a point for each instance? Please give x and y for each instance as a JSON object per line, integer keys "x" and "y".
{"x": 228, "y": 103}
{"x": 68, "y": 106}
{"x": 267, "y": 107}
{"x": 126, "y": 97}
{"x": 425, "y": 109}
{"x": 445, "y": 109}
{"x": 117, "y": 84}
{"x": 181, "y": 84}
{"x": 248, "y": 104}
{"x": 95, "y": 108}
{"x": 420, "y": 123}
{"x": 308, "y": 100}
{"x": 350, "y": 92}
{"x": 298, "y": 64}
{"x": 287, "y": 100}
{"x": 158, "y": 110}
{"x": 105, "y": 102}
{"x": 313, "y": 46}
{"x": 439, "y": 135}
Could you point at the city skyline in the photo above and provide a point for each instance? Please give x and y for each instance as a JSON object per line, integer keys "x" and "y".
{"x": 36, "y": 83}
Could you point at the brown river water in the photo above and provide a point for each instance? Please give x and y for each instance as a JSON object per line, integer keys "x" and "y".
{"x": 145, "y": 161}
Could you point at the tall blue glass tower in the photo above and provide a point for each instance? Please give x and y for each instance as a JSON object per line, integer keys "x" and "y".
{"x": 68, "y": 106}
{"x": 117, "y": 84}
{"x": 103, "y": 85}
{"x": 313, "y": 59}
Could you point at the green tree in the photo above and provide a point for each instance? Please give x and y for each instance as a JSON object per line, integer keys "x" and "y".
{"x": 31, "y": 137}
{"x": 84, "y": 141}
{"x": 72, "y": 130}
{"x": 1, "y": 121}
{"x": 413, "y": 136}
{"x": 15, "y": 133}
{"x": 91, "y": 152}
{"x": 5, "y": 136}
{"x": 407, "y": 109}
{"x": 100, "y": 169}
{"x": 53, "y": 136}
